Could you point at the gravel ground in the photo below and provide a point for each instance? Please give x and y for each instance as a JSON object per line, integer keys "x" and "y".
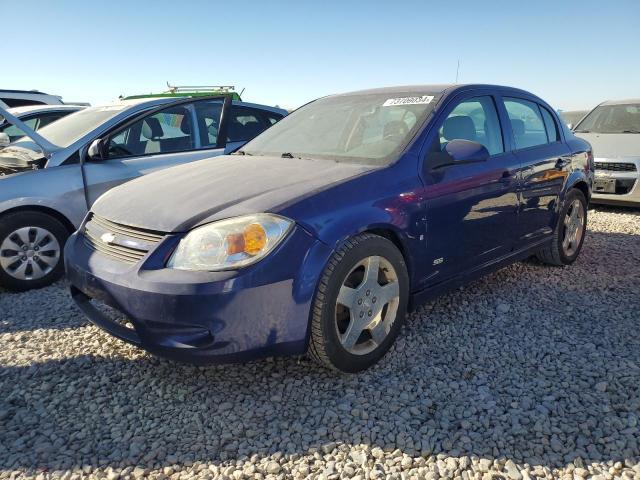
{"x": 532, "y": 372}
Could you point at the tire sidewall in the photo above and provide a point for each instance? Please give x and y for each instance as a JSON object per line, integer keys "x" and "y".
{"x": 341, "y": 358}
{"x": 14, "y": 221}
{"x": 572, "y": 195}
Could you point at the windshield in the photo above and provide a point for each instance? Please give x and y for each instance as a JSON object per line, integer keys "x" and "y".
{"x": 75, "y": 126}
{"x": 612, "y": 119}
{"x": 371, "y": 129}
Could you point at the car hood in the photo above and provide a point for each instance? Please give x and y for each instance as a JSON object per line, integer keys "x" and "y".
{"x": 612, "y": 145}
{"x": 180, "y": 198}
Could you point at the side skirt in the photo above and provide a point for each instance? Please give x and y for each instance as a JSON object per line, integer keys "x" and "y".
{"x": 429, "y": 293}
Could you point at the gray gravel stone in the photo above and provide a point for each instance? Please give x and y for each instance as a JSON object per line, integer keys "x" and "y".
{"x": 531, "y": 372}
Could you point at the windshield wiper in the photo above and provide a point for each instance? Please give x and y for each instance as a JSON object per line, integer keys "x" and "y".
{"x": 287, "y": 155}
{"x": 582, "y": 131}
{"x": 630, "y": 131}
{"x": 241, "y": 152}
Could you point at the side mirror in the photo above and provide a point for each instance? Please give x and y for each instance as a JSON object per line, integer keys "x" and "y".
{"x": 458, "y": 152}
{"x": 96, "y": 150}
{"x": 4, "y": 140}
{"x": 570, "y": 126}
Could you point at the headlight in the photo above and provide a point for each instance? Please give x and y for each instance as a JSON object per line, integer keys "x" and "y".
{"x": 231, "y": 243}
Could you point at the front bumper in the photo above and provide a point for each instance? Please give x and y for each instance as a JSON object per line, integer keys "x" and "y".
{"x": 625, "y": 183}
{"x": 202, "y": 317}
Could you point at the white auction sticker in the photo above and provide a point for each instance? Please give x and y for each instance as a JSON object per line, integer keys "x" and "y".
{"x": 424, "y": 99}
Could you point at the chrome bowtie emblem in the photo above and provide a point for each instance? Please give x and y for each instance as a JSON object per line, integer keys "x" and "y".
{"x": 108, "y": 237}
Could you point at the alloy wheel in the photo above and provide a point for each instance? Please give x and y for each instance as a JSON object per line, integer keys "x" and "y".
{"x": 367, "y": 305}
{"x": 29, "y": 253}
{"x": 573, "y": 228}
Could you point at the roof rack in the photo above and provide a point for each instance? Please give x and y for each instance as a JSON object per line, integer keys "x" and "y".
{"x": 201, "y": 88}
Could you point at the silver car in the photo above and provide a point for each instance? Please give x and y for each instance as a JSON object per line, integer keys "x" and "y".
{"x": 613, "y": 129}
{"x": 49, "y": 179}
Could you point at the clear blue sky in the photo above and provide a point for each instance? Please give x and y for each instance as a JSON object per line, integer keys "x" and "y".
{"x": 572, "y": 53}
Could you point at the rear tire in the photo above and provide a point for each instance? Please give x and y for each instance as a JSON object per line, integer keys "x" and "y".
{"x": 569, "y": 233}
{"x": 359, "y": 305}
{"x": 31, "y": 250}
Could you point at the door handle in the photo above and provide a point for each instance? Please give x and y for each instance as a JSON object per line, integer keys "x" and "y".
{"x": 562, "y": 162}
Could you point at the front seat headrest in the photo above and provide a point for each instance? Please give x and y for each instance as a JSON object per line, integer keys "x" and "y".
{"x": 395, "y": 128}
{"x": 151, "y": 129}
{"x": 459, "y": 127}
{"x": 517, "y": 126}
{"x": 185, "y": 124}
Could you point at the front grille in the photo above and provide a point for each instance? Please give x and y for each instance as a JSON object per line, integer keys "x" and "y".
{"x": 125, "y": 243}
{"x": 616, "y": 166}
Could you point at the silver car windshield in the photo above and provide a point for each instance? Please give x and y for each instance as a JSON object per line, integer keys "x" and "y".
{"x": 612, "y": 119}
{"x": 73, "y": 127}
{"x": 371, "y": 129}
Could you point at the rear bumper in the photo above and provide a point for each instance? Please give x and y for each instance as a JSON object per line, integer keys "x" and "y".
{"x": 203, "y": 317}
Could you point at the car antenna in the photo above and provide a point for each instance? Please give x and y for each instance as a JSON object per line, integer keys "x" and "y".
{"x": 457, "y": 70}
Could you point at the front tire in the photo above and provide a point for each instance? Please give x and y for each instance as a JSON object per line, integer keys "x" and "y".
{"x": 570, "y": 231}
{"x": 31, "y": 250}
{"x": 360, "y": 304}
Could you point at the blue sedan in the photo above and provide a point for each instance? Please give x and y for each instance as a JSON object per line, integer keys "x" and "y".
{"x": 322, "y": 232}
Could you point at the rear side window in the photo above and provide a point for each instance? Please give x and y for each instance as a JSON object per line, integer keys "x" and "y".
{"x": 208, "y": 116}
{"x": 50, "y": 118}
{"x": 245, "y": 124}
{"x": 550, "y": 125}
{"x": 526, "y": 123}
{"x": 476, "y": 120}
{"x": 20, "y": 102}
{"x": 14, "y": 132}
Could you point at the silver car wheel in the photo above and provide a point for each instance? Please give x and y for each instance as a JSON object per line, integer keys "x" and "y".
{"x": 367, "y": 305}
{"x": 573, "y": 228}
{"x": 29, "y": 253}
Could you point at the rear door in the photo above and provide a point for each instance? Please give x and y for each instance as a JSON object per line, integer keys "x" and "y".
{"x": 178, "y": 134}
{"x": 471, "y": 209}
{"x": 545, "y": 160}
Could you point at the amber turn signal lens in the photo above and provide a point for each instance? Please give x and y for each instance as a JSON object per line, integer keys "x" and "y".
{"x": 255, "y": 239}
{"x": 252, "y": 240}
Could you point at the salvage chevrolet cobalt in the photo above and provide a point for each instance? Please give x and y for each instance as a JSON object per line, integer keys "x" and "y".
{"x": 319, "y": 234}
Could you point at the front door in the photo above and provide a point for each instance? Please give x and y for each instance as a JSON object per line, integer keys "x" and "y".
{"x": 179, "y": 134}
{"x": 471, "y": 208}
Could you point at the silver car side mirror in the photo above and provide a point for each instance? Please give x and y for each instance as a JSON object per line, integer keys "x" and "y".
{"x": 4, "y": 140}
{"x": 95, "y": 151}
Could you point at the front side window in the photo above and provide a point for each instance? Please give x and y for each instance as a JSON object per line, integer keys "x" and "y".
{"x": 372, "y": 128}
{"x": 475, "y": 120}
{"x": 163, "y": 132}
{"x": 526, "y": 123}
{"x": 612, "y": 119}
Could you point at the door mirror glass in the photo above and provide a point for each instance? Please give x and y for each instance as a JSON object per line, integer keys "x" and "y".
{"x": 96, "y": 150}
{"x": 466, "y": 151}
{"x": 4, "y": 140}
{"x": 458, "y": 152}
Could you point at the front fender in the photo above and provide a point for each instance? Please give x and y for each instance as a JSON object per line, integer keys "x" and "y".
{"x": 60, "y": 189}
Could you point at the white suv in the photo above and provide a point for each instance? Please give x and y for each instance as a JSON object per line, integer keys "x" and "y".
{"x": 20, "y": 98}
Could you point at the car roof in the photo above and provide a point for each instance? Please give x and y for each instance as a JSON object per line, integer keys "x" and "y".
{"x": 621, "y": 102}
{"x": 161, "y": 100}
{"x": 17, "y": 111}
{"x": 435, "y": 89}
